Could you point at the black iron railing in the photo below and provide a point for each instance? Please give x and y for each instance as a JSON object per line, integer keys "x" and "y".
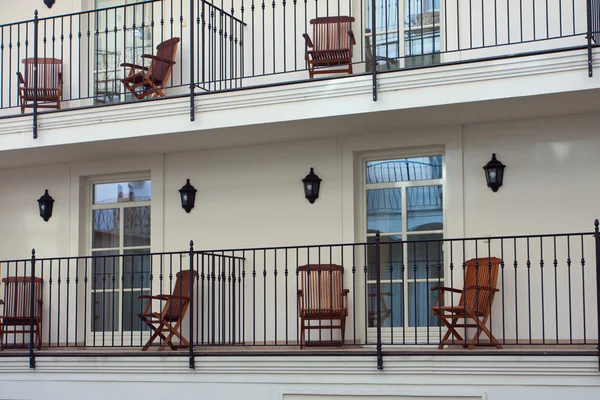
{"x": 234, "y": 44}
{"x": 546, "y": 295}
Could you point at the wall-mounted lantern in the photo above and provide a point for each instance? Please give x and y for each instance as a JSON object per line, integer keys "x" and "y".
{"x": 45, "y": 204}
{"x": 49, "y": 3}
{"x": 494, "y": 173}
{"x": 188, "y": 196}
{"x": 312, "y": 184}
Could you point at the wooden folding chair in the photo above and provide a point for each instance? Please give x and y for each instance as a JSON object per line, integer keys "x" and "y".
{"x": 474, "y": 306}
{"x": 167, "y": 323}
{"x": 153, "y": 79}
{"x": 331, "y": 45}
{"x": 49, "y": 83}
{"x": 323, "y": 299}
{"x": 17, "y": 307}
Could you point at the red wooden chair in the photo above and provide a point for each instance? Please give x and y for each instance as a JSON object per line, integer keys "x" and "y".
{"x": 167, "y": 323}
{"x": 17, "y": 307}
{"x": 331, "y": 45}
{"x": 152, "y": 79}
{"x": 49, "y": 83}
{"x": 474, "y": 306}
{"x": 322, "y": 298}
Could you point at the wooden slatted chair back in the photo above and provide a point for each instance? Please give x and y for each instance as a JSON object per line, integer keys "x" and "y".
{"x": 49, "y": 73}
{"x": 321, "y": 287}
{"x": 160, "y": 71}
{"x": 480, "y": 272}
{"x": 17, "y": 297}
{"x": 333, "y": 34}
{"x": 177, "y": 305}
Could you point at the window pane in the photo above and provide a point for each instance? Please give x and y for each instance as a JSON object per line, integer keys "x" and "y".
{"x": 136, "y": 226}
{"x": 422, "y": 47}
{"x": 391, "y": 262}
{"x": 403, "y": 170}
{"x": 425, "y": 257}
{"x": 420, "y": 303}
{"x": 105, "y": 314}
{"x": 105, "y": 228}
{"x": 421, "y": 13}
{"x": 131, "y": 307}
{"x": 105, "y": 273}
{"x": 386, "y": 15}
{"x": 388, "y": 49}
{"x": 424, "y": 208}
{"x": 119, "y": 192}
{"x": 384, "y": 210}
{"x": 392, "y": 305}
{"x": 136, "y": 268}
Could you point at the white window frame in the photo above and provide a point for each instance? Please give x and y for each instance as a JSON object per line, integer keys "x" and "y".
{"x": 409, "y": 334}
{"x": 109, "y": 337}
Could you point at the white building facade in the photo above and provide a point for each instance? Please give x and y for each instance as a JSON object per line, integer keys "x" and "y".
{"x": 399, "y": 144}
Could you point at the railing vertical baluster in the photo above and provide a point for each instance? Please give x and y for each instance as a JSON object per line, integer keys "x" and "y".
{"x": 192, "y": 364}
{"x": 35, "y": 74}
{"x": 597, "y": 242}
{"x": 378, "y": 294}
{"x": 32, "y": 308}
{"x": 589, "y": 36}
{"x": 374, "y": 51}
{"x": 192, "y": 80}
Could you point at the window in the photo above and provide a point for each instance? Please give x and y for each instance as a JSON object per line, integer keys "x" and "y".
{"x": 408, "y": 33}
{"x": 404, "y": 202}
{"x": 120, "y": 226}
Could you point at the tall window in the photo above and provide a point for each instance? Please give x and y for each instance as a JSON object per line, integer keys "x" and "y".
{"x": 114, "y": 45}
{"x": 407, "y": 33}
{"x": 120, "y": 223}
{"x": 404, "y": 202}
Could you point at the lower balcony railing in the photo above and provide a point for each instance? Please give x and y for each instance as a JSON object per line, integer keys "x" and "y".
{"x": 167, "y": 48}
{"x": 449, "y": 296}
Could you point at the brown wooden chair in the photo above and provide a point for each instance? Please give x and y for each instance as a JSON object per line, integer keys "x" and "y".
{"x": 331, "y": 45}
{"x": 167, "y": 323}
{"x": 152, "y": 79}
{"x": 17, "y": 307}
{"x": 474, "y": 306}
{"x": 322, "y": 298}
{"x": 49, "y": 83}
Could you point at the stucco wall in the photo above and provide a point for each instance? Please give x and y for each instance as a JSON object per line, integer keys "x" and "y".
{"x": 247, "y": 196}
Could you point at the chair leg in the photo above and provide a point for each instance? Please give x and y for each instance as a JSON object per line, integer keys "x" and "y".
{"x": 302, "y": 332}
{"x": 343, "y": 329}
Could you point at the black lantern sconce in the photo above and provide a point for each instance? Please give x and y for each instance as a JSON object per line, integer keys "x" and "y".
{"x": 49, "y": 3}
{"x": 312, "y": 184}
{"x": 45, "y": 204}
{"x": 494, "y": 173}
{"x": 188, "y": 196}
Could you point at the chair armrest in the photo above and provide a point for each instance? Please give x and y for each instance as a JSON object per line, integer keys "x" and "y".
{"x": 2, "y": 302}
{"x": 163, "y": 297}
{"x": 309, "y": 42}
{"x": 300, "y": 293}
{"x": 446, "y": 289}
{"x": 345, "y": 292}
{"x": 21, "y": 80}
{"x": 164, "y": 60}
{"x": 488, "y": 288}
{"x": 134, "y": 66}
{"x": 60, "y": 78}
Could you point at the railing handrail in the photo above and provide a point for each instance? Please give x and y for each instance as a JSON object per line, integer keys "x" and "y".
{"x": 82, "y": 12}
{"x": 224, "y": 12}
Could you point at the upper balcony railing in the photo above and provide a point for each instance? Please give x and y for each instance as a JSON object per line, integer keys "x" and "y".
{"x": 81, "y": 58}
{"x": 517, "y": 294}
